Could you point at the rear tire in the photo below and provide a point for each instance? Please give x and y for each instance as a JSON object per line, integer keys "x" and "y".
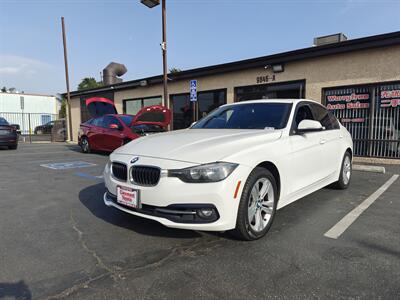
{"x": 345, "y": 173}
{"x": 85, "y": 146}
{"x": 257, "y": 205}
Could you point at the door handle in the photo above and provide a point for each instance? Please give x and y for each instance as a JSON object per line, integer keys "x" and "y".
{"x": 322, "y": 141}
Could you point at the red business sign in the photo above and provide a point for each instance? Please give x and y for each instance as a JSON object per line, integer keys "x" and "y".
{"x": 348, "y": 101}
{"x": 390, "y": 98}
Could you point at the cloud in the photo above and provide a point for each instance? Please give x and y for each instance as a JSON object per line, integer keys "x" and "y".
{"x": 28, "y": 74}
{"x": 19, "y": 65}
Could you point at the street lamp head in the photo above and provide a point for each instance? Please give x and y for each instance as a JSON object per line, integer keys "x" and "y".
{"x": 150, "y": 3}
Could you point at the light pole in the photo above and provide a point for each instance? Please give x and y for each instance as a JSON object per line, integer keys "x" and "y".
{"x": 151, "y": 4}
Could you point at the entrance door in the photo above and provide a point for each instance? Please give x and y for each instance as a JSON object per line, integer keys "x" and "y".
{"x": 182, "y": 108}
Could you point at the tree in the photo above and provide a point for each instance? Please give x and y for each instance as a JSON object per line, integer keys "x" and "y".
{"x": 63, "y": 109}
{"x": 4, "y": 89}
{"x": 175, "y": 70}
{"x": 89, "y": 83}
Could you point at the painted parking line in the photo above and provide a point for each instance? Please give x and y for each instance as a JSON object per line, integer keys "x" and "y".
{"x": 345, "y": 223}
{"x": 88, "y": 176}
{"x": 68, "y": 165}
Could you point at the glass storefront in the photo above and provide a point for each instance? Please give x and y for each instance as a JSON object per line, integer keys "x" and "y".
{"x": 182, "y": 108}
{"x": 371, "y": 113}
{"x": 132, "y": 106}
{"x": 284, "y": 90}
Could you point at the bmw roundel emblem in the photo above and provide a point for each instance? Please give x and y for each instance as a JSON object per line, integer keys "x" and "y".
{"x": 135, "y": 159}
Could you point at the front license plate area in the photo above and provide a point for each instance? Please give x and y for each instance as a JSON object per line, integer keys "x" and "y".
{"x": 128, "y": 197}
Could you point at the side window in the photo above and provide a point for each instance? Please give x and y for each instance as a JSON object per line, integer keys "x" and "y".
{"x": 108, "y": 120}
{"x": 303, "y": 113}
{"x": 325, "y": 117}
{"x": 98, "y": 122}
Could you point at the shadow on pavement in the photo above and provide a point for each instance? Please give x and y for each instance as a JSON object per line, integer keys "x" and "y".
{"x": 16, "y": 290}
{"x": 76, "y": 148}
{"x": 92, "y": 198}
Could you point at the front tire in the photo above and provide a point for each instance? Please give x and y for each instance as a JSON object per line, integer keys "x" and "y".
{"x": 85, "y": 146}
{"x": 13, "y": 147}
{"x": 257, "y": 205}
{"x": 345, "y": 173}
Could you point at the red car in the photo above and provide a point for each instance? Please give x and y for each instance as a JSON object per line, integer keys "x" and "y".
{"x": 108, "y": 130}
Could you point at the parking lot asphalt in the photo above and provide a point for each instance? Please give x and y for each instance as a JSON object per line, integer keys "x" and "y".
{"x": 58, "y": 240}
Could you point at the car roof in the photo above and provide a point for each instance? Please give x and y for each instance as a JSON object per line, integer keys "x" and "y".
{"x": 293, "y": 101}
{"x": 114, "y": 115}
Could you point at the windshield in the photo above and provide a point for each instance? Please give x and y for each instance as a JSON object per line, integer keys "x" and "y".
{"x": 126, "y": 119}
{"x": 3, "y": 121}
{"x": 247, "y": 116}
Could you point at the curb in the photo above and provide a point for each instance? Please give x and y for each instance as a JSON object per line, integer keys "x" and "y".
{"x": 367, "y": 168}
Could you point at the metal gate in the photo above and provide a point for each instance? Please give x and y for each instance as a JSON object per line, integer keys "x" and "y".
{"x": 35, "y": 127}
{"x": 372, "y": 116}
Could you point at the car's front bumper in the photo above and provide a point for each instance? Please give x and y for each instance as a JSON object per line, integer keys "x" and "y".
{"x": 171, "y": 192}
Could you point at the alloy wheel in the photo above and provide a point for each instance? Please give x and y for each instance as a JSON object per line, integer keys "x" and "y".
{"x": 85, "y": 145}
{"x": 346, "y": 170}
{"x": 261, "y": 204}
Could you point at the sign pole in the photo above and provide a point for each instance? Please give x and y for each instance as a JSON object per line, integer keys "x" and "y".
{"x": 164, "y": 52}
{"x": 67, "y": 80}
{"x": 193, "y": 98}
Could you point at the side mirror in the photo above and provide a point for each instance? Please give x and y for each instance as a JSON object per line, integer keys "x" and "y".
{"x": 113, "y": 126}
{"x": 309, "y": 126}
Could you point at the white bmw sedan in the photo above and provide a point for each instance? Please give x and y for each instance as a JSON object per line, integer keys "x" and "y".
{"x": 232, "y": 169}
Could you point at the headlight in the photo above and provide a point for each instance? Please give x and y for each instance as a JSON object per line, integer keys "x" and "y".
{"x": 204, "y": 173}
{"x": 107, "y": 167}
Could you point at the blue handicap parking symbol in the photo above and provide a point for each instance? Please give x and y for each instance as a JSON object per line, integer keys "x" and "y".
{"x": 68, "y": 165}
{"x": 193, "y": 90}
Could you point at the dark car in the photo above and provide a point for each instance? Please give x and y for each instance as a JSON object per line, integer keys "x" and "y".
{"x": 108, "y": 130}
{"x": 8, "y": 134}
{"x": 45, "y": 128}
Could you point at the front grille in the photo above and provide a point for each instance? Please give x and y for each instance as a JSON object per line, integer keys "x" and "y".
{"x": 147, "y": 176}
{"x": 119, "y": 171}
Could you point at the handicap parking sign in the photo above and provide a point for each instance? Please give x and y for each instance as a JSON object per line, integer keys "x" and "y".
{"x": 193, "y": 90}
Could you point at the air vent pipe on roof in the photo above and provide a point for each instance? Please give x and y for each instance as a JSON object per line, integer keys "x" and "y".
{"x": 330, "y": 39}
{"x": 112, "y": 72}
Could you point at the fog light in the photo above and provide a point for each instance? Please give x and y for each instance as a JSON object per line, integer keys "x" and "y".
{"x": 205, "y": 213}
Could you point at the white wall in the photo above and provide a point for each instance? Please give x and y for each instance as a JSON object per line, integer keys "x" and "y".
{"x": 32, "y": 103}
{"x": 38, "y": 110}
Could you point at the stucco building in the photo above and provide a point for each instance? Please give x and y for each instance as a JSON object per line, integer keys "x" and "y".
{"x": 28, "y": 110}
{"x": 358, "y": 79}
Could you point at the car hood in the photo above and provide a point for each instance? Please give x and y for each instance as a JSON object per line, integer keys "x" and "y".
{"x": 155, "y": 114}
{"x": 199, "y": 145}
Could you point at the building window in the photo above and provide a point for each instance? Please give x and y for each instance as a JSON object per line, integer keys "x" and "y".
{"x": 182, "y": 108}
{"x": 85, "y": 114}
{"x": 132, "y": 106}
{"x": 371, "y": 113}
{"x": 282, "y": 90}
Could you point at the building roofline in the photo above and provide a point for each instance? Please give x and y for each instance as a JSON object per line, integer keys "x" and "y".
{"x": 375, "y": 41}
{"x": 26, "y": 94}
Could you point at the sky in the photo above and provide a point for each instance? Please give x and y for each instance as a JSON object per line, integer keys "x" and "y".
{"x": 199, "y": 33}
